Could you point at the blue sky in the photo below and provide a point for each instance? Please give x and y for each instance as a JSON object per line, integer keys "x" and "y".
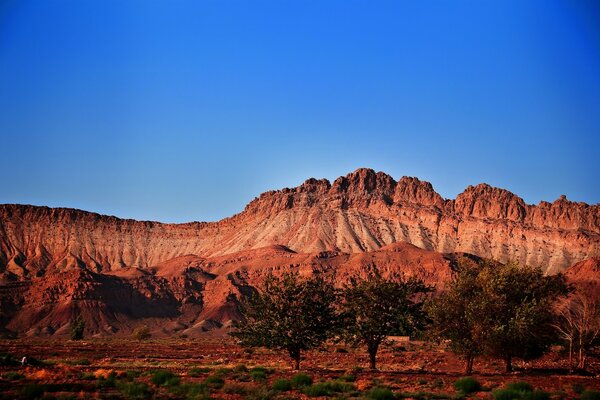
{"x": 186, "y": 110}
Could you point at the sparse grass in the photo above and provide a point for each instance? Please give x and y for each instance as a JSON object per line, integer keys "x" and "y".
{"x": 261, "y": 393}
{"x": 506, "y": 394}
{"x": 519, "y": 387}
{"x": 258, "y": 375}
{"x": 240, "y": 368}
{"x": 235, "y": 388}
{"x": 327, "y": 388}
{"x": 467, "y": 385}
{"x": 197, "y": 371}
{"x": 536, "y": 395}
{"x": 300, "y": 380}
{"x": 81, "y": 361}
{"x": 347, "y": 378}
{"x": 192, "y": 391}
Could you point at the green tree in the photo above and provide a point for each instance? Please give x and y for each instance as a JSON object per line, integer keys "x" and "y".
{"x": 77, "y": 328}
{"x": 517, "y": 306}
{"x": 456, "y": 315}
{"x": 375, "y": 308}
{"x": 289, "y": 313}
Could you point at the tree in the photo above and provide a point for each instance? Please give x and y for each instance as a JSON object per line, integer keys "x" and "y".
{"x": 77, "y": 328}
{"x": 141, "y": 332}
{"x": 456, "y": 315}
{"x": 503, "y": 310}
{"x": 516, "y": 305}
{"x": 375, "y": 308}
{"x": 578, "y": 323}
{"x": 288, "y": 313}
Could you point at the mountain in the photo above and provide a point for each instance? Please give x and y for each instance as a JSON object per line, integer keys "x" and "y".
{"x": 55, "y": 263}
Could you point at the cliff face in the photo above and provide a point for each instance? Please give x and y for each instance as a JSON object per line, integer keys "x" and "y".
{"x": 188, "y": 278}
{"x": 362, "y": 211}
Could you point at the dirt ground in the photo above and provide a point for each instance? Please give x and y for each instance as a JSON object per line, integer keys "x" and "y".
{"x": 217, "y": 368}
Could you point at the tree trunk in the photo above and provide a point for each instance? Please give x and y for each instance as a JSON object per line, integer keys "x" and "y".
{"x": 570, "y": 355}
{"x": 372, "y": 349}
{"x": 295, "y": 356}
{"x": 508, "y": 361}
{"x": 469, "y": 366}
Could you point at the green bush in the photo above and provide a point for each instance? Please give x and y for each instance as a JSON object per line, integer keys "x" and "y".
{"x": 467, "y": 385}
{"x": 327, "y": 388}
{"x": 261, "y": 393}
{"x": 165, "y": 378}
{"x": 191, "y": 391}
{"x": 347, "y": 378}
{"x": 214, "y": 382}
{"x": 12, "y": 376}
{"x": 77, "y": 328}
{"x": 109, "y": 382}
{"x": 520, "y": 387}
{"x": 590, "y": 395}
{"x": 301, "y": 380}
{"x": 282, "y": 385}
{"x": 380, "y": 393}
{"x": 135, "y": 390}
{"x": 535, "y": 395}
{"x": 506, "y": 394}
{"x": 240, "y": 368}
{"x": 258, "y": 376}
{"x": 32, "y": 391}
{"x": 141, "y": 333}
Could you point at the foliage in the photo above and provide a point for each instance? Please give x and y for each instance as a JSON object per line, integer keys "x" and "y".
{"x": 467, "y": 385}
{"x": 289, "y": 313}
{"x": 141, "y": 333}
{"x": 282, "y": 385}
{"x": 197, "y": 371}
{"x": 380, "y": 393}
{"x": 135, "y": 390}
{"x": 375, "y": 308}
{"x": 504, "y": 310}
{"x": 235, "y": 388}
{"x": 77, "y": 328}
{"x": 520, "y": 386}
{"x": 12, "y": 376}
{"x": 535, "y": 395}
{"x": 506, "y": 394}
{"x": 165, "y": 378}
{"x": 327, "y": 388}
{"x": 258, "y": 375}
{"x": 300, "y": 380}
{"x": 215, "y": 382}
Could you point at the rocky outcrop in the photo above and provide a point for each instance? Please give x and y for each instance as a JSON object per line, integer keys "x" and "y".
{"x": 362, "y": 211}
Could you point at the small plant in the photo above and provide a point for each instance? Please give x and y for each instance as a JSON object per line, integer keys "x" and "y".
{"x": 135, "y": 390}
{"x": 506, "y": 394}
{"x": 214, "y": 382}
{"x": 141, "y": 333}
{"x": 197, "y": 371}
{"x": 301, "y": 380}
{"x": 240, "y": 368}
{"x": 467, "y": 385}
{"x": 380, "y": 393}
{"x": 12, "y": 376}
{"x": 261, "y": 393}
{"x": 165, "y": 378}
{"x": 590, "y": 395}
{"x": 282, "y": 385}
{"x": 87, "y": 376}
{"x": 258, "y": 375}
{"x": 77, "y": 328}
{"x": 81, "y": 361}
{"x": 520, "y": 387}
{"x": 347, "y": 378}
{"x": 191, "y": 391}
{"x": 535, "y": 395}
{"x": 32, "y": 391}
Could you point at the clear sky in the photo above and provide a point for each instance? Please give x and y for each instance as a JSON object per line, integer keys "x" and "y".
{"x": 186, "y": 110}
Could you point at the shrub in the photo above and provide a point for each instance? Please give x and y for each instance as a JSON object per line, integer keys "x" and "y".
{"x": 300, "y": 380}
{"x": 77, "y": 328}
{"x": 32, "y": 391}
{"x": 380, "y": 393}
{"x": 506, "y": 394}
{"x": 535, "y": 395}
{"x": 135, "y": 390}
{"x": 12, "y": 376}
{"x": 191, "y": 391}
{"x": 282, "y": 385}
{"x": 520, "y": 387}
{"x": 214, "y": 382}
{"x": 258, "y": 376}
{"x": 467, "y": 385}
{"x": 107, "y": 382}
{"x": 590, "y": 395}
{"x": 165, "y": 378}
{"x": 261, "y": 393}
{"x": 141, "y": 333}
{"x": 327, "y": 388}
{"x": 240, "y": 368}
